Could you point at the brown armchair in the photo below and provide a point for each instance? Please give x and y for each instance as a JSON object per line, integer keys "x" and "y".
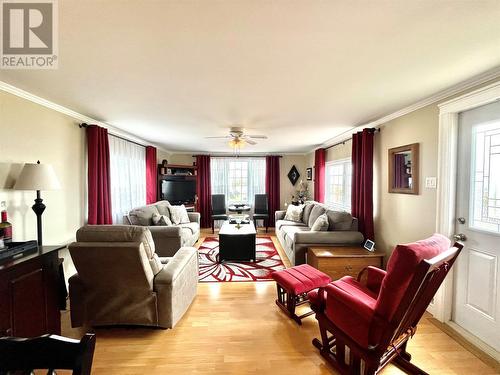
{"x": 121, "y": 280}
{"x": 376, "y": 315}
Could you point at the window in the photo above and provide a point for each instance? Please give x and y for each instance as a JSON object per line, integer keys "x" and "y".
{"x": 128, "y": 176}
{"x": 485, "y": 178}
{"x": 338, "y": 184}
{"x": 238, "y": 178}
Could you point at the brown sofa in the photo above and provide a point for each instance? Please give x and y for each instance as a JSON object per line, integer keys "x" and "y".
{"x": 168, "y": 239}
{"x": 120, "y": 279}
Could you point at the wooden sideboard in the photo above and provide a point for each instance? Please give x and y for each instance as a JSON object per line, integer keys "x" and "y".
{"x": 29, "y": 294}
{"x": 339, "y": 261}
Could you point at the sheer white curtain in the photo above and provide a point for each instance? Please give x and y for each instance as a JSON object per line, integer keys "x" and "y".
{"x": 128, "y": 176}
{"x": 239, "y": 179}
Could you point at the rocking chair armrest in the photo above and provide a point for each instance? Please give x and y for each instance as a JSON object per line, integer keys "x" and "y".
{"x": 374, "y": 278}
{"x": 355, "y": 305}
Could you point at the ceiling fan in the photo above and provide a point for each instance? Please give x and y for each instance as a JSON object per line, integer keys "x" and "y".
{"x": 238, "y": 138}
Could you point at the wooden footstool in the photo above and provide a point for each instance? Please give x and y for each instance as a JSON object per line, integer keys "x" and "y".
{"x": 292, "y": 286}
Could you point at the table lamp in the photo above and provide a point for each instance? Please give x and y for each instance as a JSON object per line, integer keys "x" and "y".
{"x": 37, "y": 177}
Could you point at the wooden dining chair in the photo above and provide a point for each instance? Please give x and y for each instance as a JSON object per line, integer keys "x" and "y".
{"x": 47, "y": 352}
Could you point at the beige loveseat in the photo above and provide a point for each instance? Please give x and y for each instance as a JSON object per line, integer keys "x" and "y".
{"x": 296, "y": 237}
{"x": 120, "y": 280}
{"x": 168, "y": 239}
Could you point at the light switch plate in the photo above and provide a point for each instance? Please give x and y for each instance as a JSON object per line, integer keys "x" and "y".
{"x": 430, "y": 182}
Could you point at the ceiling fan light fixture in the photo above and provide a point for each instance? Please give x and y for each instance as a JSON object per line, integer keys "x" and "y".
{"x": 236, "y": 143}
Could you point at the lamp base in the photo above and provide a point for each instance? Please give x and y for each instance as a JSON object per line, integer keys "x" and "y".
{"x": 38, "y": 208}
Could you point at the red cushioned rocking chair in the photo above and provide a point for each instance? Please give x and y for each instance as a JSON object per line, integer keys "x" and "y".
{"x": 376, "y": 315}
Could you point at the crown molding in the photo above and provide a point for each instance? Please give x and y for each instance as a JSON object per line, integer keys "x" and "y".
{"x": 439, "y": 96}
{"x": 75, "y": 115}
{"x": 226, "y": 154}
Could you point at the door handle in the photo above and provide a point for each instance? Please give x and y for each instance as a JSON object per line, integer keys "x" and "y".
{"x": 460, "y": 237}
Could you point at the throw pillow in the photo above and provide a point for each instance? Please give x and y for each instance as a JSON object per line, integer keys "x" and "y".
{"x": 317, "y": 210}
{"x": 163, "y": 207}
{"x": 161, "y": 220}
{"x": 143, "y": 215}
{"x": 294, "y": 213}
{"x": 321, "y": 224}
{"x": 178, "y": 214}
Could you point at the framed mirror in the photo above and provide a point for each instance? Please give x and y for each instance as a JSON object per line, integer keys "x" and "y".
{"x": 403, "y": 169}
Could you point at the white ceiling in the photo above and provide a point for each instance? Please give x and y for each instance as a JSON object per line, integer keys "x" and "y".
{"x": 300, "y": 72}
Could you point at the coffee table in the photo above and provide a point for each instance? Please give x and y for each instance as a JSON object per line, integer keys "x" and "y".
{"x": 237, "y": 243}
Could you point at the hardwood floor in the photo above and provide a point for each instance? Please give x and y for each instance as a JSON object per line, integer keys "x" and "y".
{"x": 236, "y": 328}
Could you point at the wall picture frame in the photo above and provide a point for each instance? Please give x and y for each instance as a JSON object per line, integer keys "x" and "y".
{"x": 293, "y": 175}
{"x": 309, "y": 174}
{"x": 369, "y": 245}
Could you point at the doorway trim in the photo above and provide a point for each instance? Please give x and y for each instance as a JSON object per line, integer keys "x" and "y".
{"x": 442, "y": 305}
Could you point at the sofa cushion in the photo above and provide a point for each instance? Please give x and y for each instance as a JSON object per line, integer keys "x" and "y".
{"x": 339, "y": 220}
{"x": 122, "y": 233}
{"x": 163, "y": 208}
{"x": 401, "y": 268}
{"x": 193, "y": 227}
{"x": 143, "y": 215}
{"x": 321, "y": 224}
{"x": 290, "y": 230}
{"x": 294, "y": 213}
{"x": 280, "y": 223}
{"x": 301, "y": 279}
{"x": 308, "y": 206}
{"x": 178, "y": 214}
{"x": 316, "y": 211}
{"x": 355, "y": 319}
{"x": 161, "y": 220}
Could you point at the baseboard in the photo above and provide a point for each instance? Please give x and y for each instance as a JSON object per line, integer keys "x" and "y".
{"x": 481, "y": 350}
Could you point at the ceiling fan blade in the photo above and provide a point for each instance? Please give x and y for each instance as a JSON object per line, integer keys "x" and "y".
{"x": 257, "y": 136}
{"x": 218, "y": 137}
{"x": 250, "y": 142}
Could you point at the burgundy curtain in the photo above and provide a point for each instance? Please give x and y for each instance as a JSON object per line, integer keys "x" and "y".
{"x": 362, "y": 181}
{"x": 399, "y": 171}
{"x": 204, "y": 190}
{"x": 151, "y": 175}
{"x": 319, "y": 175}
{"x": 273, "y": 186}
{"x": 99, "y": 191}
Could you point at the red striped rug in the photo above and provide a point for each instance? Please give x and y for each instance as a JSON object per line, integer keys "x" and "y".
{"x": 268, "y": 261}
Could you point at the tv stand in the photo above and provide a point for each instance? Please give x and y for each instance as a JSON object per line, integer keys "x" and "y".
{"x": 177, "y": 172}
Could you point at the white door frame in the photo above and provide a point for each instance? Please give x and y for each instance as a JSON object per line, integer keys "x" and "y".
{"x": 441, "y": 308}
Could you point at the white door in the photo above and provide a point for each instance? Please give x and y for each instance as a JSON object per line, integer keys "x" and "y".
{"x": 476, "y": 296}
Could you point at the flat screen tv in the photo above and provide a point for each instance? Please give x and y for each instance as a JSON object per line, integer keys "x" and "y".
{"x": 178, "y": 191}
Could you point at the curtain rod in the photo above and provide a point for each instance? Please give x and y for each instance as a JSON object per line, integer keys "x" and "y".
{"x": 373, "y": 130}
{"x": 84, "y": 125}
{"x": 235, "y": 156}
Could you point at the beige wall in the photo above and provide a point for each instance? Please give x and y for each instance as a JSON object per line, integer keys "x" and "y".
{"x": 184, "y": 159}
{"x": 338, "y": 152}
{"x": 286, "y": 187}
{"x": 31, "y": 132}
{"x": 161, "y": 155}
{"x": 403, "y": 218}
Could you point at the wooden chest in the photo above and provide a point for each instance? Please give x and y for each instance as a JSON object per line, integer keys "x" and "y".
{"x": 339, "y": 261}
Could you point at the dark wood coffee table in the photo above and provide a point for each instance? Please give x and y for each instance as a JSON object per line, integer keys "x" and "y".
{"x": 237, "y": 243}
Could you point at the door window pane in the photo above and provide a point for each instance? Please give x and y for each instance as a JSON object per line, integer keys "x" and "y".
{"x": 485, "y": 178}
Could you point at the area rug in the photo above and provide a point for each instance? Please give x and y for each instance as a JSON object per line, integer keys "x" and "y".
{"x": 268, "y": 261}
